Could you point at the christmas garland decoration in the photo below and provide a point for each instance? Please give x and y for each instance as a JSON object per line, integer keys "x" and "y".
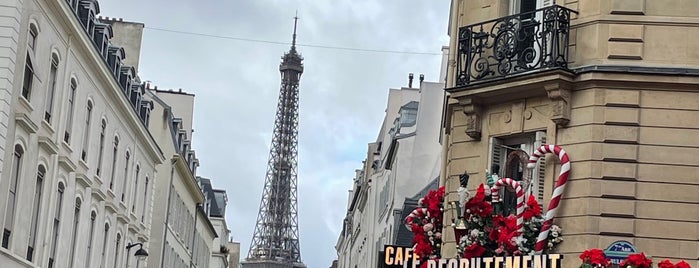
{"x": 426, "y": 224}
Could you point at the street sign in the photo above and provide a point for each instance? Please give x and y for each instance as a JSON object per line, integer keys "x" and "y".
{"x": 618, "y": 251}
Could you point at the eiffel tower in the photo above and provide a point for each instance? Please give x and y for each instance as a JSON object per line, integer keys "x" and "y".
{"x": 275, "y": 243}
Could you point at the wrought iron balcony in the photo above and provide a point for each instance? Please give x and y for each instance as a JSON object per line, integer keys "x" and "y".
{"x": 516, "y": 44}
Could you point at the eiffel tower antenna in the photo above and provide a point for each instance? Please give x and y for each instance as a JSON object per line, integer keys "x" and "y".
{"x": 275, "y": 242}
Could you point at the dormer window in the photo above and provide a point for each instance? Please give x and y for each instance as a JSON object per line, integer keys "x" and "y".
{"x": 126, "y": 77}
{"x": 116, "y": 55}
{"x": 103, "y": 32}
{"x": 136, "y": 96}
{"x": 408, "y": 114}
{"x": 87, "y": 11}
{"x": 177, "y": 123}
{"x": 146, "y": 107}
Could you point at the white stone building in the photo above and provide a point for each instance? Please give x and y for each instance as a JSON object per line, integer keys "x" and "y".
{"x": 182, "y": 234}
{"x": 403, "y": 160}
{"x": 78, "y": 162}
{"x": 215, "y": 206}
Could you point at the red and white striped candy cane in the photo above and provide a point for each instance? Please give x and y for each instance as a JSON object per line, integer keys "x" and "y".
{"x": 557, "y": 192}
{"x": 495, "y": 193}
{"x": 417, "y": 215}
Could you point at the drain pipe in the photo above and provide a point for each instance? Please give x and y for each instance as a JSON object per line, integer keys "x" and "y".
{"x": 173, "y": 161}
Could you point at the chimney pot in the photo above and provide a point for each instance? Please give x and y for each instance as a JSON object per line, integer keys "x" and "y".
{"x": 410, "y": 80}
{"x": 422, "y": 78}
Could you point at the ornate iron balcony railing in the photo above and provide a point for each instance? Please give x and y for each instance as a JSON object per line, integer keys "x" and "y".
{"x": 515, "y": 44}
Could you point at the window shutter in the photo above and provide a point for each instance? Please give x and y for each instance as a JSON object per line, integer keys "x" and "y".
{"x": 496, "y": 155}
{"x": 539, "y": 173}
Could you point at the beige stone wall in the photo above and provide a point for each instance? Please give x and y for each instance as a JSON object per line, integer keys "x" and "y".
{"x": 632, "y": 142}
{"x": 632, "y": 138}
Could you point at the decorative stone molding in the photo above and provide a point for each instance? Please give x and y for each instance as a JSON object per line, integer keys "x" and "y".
{"x": 473, "y": 113}
{"x": 560, "y": 94}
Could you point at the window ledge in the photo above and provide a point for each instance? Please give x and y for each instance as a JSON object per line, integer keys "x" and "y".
{"x": 24, "y": 121}
{"x": 47, "y": 144}
{"x": 66, "y": 146}
{"x": 80, "y": 178}
{"x": 25, "y": 105}
{"x": 98, "y": 180}
{"x": 82, "y": 164}
{"x": 47, "y": 126}
{"x": 67, "y": 163}
{"x": 19, "y": 259}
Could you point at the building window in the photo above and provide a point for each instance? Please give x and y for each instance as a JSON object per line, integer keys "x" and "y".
{"x": 93, "y": 217}
{"x": 103, "y": 130}
{"x": 71, "y": 106}
{"x": 145, "y": 200}
{"x": 117, "y": 250}
{"x": 12, "y": 196}
{"x": 103, "y": 261}
{"x": 508, "y": 158}
{"x": 28, "y": 78}
{"x": 86, "y": 133}
{"x": 408, "y": 114}
{"x": 76, "y": 223}
{"x": 52, "y": 88}
{"x": 40, "y": 174}
{"x": 126, "y": 176}
{"x": 56, "y": 223}
{"x": 114, "y": 161}
{"x": 33, "y": 33}
{"x": 134, "y": 196}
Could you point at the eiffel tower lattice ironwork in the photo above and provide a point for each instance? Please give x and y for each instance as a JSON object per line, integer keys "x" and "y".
{"x": 275, "y": 243}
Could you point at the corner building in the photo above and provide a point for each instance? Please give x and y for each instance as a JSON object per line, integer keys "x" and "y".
{"x": 614, "y": 83}
{"x": 76, "y": 182}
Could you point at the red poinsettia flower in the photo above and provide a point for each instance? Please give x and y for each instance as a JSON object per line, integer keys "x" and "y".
{"x": 477, "y": 204}
{"x": 594, "y": 256}
{"x": 682, "y": 264}
{"x": 638, "y": 261}
{"x": 533, "y": 209}
{"x": 473, "y": 251}
{"x": 666, "y": 264}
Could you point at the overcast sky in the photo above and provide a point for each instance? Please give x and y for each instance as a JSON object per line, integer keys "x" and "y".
{"x": 236, "y": 83}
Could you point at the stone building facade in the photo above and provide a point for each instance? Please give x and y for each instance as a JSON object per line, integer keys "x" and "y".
{"x": 182, "y": 232}
{"x": 613, "y": 83}
{"x": 78, "y": 154}
{"x": 404, "y": 159}
{"x": 84, "y": 167}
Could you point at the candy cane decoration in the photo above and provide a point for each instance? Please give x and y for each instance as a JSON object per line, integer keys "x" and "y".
{"x": 495, "y": 193}
{"x": 417, "y": 214}
{"x": 557, "y": 192}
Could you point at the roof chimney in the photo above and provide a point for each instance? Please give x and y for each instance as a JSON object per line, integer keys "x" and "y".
{"x": 422, "y": 78}
{"x": 410, "y": 80}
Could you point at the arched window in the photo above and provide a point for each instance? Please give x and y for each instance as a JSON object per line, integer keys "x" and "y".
{"x": 117, "y": 250}
{"x": 103, "y": 260}
{"x": 145, "y": 198}
{"x": 86, "y": 131}
{"x": 76, "y": 223}
{"x": 126, "y": 176}
{"x": 71, "y": 107}
{"x": 40, "y": 174}
{"x": 52, "y": 88}
{"x": 28, "y": 78}
{"x": 12, "y": 196}
{"x": 103, "y": 132}
{"x": 31, "y": 38}
{"x": 90, "y": 238}
{"x": 114, "y": 161}
{"x": 56, "y": 223}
